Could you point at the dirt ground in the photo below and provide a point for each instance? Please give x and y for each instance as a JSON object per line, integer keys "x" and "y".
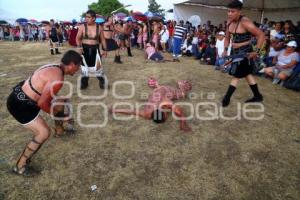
{"x": 219, "y": 160}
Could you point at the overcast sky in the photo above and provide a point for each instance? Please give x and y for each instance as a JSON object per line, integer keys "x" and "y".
{"x": 64, "y": 9}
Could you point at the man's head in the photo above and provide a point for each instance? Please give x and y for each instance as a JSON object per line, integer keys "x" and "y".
{"x": 71, "y": 61}
{"x": 90, "y": 17}
{"x": 221, "y": 35}
{"x": 181, "y": 23}
{"x": 51, "y": 22}
{"x": 234, "y": 10}
{"x": 158, "y": 116}
{"x": 184, "y": 85}
{"x": 278, "y": 26}
{"x": 291, "y": 46}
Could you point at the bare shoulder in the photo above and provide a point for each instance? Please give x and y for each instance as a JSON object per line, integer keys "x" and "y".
{"x": 246, "y": 20}
{"x": 53, "y": 74}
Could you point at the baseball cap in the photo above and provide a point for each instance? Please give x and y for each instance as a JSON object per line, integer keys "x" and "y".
{"x": 221, "y": 33}
{"x": 292, "y": 44}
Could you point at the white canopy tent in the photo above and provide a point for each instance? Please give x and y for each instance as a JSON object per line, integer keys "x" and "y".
{"x": 216, "y": 11}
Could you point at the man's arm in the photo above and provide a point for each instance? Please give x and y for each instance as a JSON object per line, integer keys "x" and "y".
{"x": 131, "y": 112}
{"x": 249, "y": 26}
{"x": 287, "y": 66}
{"x": 179, "y": 113}
{"x": 79, "y": 38}
{"x": 48, "y": 93}
{"x": 227, "y": 41}
{"x": 103, "y": 41}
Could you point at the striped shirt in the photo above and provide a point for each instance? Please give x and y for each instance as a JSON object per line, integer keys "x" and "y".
{"x": 179, "y": 32}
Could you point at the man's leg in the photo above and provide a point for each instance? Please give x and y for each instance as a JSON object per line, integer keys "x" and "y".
{"x": 226, "y": 99}
{"x": 56, "y": 48}
{"x": 253, "y": 85}
{"x": 117, "y": 57}
{"x": 51, "y": 47}
{"x": 128, "y": 47}
{"x": 41, "y": 133}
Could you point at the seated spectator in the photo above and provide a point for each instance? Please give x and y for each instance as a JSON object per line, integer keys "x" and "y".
{"x": 277, "y": 44}
{"x": 276, "y": 30}
{"x": 286, "y": 60}
{"x": 187, "y": 47}
{"x": 288, "y": 31}
{"x": 211, "y": 53}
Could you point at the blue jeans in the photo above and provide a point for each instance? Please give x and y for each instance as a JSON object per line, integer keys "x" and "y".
{"x": 177, "y": 46}
{"x": 170, "y": 44}
{"x": 195, "y": 50}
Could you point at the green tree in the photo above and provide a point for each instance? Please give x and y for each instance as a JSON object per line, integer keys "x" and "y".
{"x": 105, "y": 7}
{"x": 155, "y": 7}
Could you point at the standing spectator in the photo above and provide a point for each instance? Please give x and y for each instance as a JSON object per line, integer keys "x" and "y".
{"x": 164, "y": 37}
{"x": 220, "y": 45}
{"x": 140, "y": 36}
{"x": 171, "y": 35}
{"x": 1, "y": 33}
{"x": 179, "y": 36}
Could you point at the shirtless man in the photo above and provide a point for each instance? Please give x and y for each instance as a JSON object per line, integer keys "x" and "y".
{"x": 53, "y": 38}
{"x": 88, "y": 40}
{"x": 145, "y": 34}
{"x": 112, "y": 45}
{"x": 155, "y": 35}
{"x": 35, "y": 94}
{"x": 240, "y": 30}
{"x": 128, "y": 28}
{"x": 160, "y": 101}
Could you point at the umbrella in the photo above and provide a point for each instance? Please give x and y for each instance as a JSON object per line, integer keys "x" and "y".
{"x": 149, "y": 14}
{"x": 138, "y": 16}
{"x": 195, "y": 20}
{"x": 32, "y": 21}
{"x": 137, "y": 13}
{"x": 67, "y": 23}
{"x": 121, "y": 15}
{"x": 3, "y": 22}
{"x": 45, "y": 22}
{"x": 130, "y": 18}
{"x": 22, "y": 20}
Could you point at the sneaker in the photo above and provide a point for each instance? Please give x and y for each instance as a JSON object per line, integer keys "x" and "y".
{"x": 261, "y": 71}
{"x": 276, "y": 81}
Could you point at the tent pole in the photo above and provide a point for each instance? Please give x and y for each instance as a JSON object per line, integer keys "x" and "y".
{"x": 262, "y": 11}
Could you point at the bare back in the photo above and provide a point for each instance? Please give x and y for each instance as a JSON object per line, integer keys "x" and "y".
{"x": 40, "y": 79}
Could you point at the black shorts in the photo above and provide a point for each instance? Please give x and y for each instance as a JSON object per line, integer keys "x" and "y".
{"x": 21, "y": 107}
{"x": 54, "y": 39}
{"x": 123, "y": 36}
{"x": 111, "y": 45}
{"x": 89, "y": 53}
{"x": 245, "y": 67}
{"x": 242, "y": 69}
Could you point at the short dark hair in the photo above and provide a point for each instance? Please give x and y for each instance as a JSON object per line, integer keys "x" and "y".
{"x": 71, "y": 56}
{"x": 235, "y": 4}
{"x": 158, "y": 116}
{"x": 92, "y": 13}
